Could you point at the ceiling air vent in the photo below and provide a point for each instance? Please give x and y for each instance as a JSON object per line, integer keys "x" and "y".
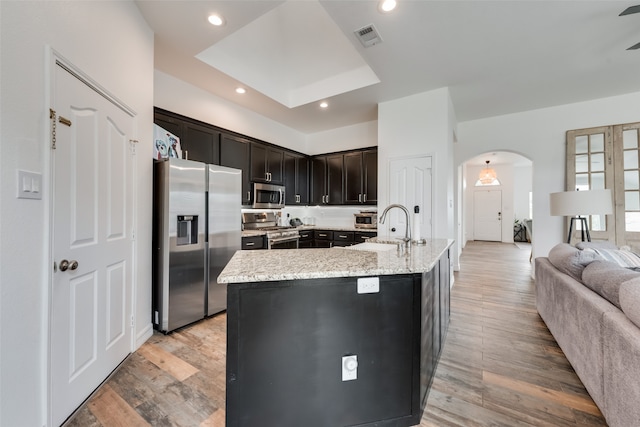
{"x": 368, "y": 35}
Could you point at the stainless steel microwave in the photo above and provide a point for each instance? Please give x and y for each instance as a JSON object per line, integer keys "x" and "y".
{"x": 268, "y": 196}
{"x": 366, "y": 219}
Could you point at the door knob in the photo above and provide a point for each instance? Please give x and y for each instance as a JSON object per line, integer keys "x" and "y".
{"x": 68, "y": 265}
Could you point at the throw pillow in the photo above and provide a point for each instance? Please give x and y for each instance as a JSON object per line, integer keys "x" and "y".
{"x": 605, "y": 278}
{"x": 623, "y": 258}
{"x": 570, "y": 260}
{"x": 630, "y": 300}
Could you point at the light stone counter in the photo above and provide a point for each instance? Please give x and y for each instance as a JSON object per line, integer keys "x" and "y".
{"x": 292, "y": 264}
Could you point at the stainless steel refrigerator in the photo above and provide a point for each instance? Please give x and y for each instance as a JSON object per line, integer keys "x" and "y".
{"x": 196, "y": 225}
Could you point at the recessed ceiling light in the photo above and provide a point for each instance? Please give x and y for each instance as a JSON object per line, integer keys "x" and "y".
{"x": 324, "y": 104}
{"x": 387, "y": 5}
{"x": 241, "y": 90}
{"x": 216, "y": 20}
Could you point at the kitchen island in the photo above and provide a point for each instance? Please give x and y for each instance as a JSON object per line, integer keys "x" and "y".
{"x": 334, "y": 337}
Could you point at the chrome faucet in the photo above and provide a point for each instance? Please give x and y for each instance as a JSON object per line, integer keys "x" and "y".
{"x": 407, "y": 230}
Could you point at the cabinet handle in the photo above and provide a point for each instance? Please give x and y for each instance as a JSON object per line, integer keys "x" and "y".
{"x": 359, "y": 198}
{"x": 364, "y": 198}
{"x": 185, "y": 154}
{"x": 250, "y": 244}
{"x": 297, "y": 198}
{"x": 327, "y": 198}
{"x": 342, "y": 236}
{"x": 248, "y": 195}
{"x": 322, "y": 235}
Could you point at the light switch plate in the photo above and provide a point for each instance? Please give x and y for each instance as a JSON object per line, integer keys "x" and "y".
{"x": 29, "y": 185}
{"x": 368, "y": 285}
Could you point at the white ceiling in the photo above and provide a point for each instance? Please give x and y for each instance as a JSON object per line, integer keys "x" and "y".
{"x": 496, "y": 57}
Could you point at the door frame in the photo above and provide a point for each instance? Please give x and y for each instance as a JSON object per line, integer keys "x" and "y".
{"x": 54, "y": 59}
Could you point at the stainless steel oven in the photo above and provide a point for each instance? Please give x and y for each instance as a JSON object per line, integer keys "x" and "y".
{"x": 278, "y": 237}
{"x": 268, "y": 196}
{"x": 283, "y": 239}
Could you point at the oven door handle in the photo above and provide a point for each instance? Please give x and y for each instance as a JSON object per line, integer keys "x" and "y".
{"x": 284, "y": 239}
{"x": 281, "y": 203}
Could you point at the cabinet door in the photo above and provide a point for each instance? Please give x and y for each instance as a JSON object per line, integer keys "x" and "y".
{"x": 170, "y": 124}
{"x": 353, "y": 194}
{"x": 302, "y": 180}
{"x": 258, "y": 162}
{"x": 370, "y": 177}
{"x": 318, "y": 180}
{"x": 275, "y": 165}
{"x": 201, "y": 143}
{"x": 334, "y": 179}
{"x": 266, "y": 163}
{"x": 234, "y": 153}
{"x": 290, "y": 179}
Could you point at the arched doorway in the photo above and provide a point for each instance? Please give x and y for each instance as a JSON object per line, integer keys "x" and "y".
{"x": 513, "y": 191}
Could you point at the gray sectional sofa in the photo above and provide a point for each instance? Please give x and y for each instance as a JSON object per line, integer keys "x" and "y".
{"x": 592, "y": 308}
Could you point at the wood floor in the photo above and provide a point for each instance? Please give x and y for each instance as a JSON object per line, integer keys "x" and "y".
{"x": 500, "y": 366}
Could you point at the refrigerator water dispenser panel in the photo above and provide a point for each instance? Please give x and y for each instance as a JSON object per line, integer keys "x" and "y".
{"x": 187, "y": 230}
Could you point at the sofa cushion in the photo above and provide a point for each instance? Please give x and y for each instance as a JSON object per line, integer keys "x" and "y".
{"x": 570, "y": 260}
{"x": 605, "y": 278}
{"x": 604, "y": 244}
{"x": 630, "y": 299}
{"x": 622, "y": 257}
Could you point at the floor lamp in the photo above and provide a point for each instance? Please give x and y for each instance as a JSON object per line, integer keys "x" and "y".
{"x": 578, "y": 203}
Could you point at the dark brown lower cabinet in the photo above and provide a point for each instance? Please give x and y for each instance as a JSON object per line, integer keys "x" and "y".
{"x": 284, "y": 357}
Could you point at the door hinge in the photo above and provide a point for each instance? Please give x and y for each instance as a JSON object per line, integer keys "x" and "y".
{"x": 132, "y": 321}
{"x": 52, "y": 117}
{"x": 132, "y": 146}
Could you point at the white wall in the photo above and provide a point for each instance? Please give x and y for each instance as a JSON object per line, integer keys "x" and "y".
{"x": 421, "y": 124}
{"x": 522, "y": 186}
{"x": 361, "y": 135}
{"x": 183, "y": 98}
{"x": 539, "y": 135}
{"x": 112, "y": 43}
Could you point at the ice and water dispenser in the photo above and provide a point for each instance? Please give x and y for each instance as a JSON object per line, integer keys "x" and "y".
{"x": 187, "y": 231}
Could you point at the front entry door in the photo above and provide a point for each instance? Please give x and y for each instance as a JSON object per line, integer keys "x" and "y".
{"x": 91, "y": 321}
{"x": 487, "y": 215}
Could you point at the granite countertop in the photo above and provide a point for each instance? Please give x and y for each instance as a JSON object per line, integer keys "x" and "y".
{"x": 292, "y": 264}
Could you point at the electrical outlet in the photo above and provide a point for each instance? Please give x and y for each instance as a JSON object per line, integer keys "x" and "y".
{"x": 368, "y": 285}
{"x": 349, "y": 367}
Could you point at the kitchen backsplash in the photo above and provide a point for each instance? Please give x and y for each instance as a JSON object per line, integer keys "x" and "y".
{"x": 323, "y": 216}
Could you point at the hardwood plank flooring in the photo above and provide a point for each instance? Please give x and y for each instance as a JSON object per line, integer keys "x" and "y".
{"x": 500, "y": 366}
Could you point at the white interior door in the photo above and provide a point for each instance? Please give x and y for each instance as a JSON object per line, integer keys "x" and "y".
{"x": 91, "y": 323}
{"x": 487, "y": 215}
{"x": 410, "y": 186}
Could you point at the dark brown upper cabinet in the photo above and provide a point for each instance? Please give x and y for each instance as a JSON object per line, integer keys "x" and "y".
{"x": 266, "y": 163}
{"x": 361, "y": 177}
{"x": 296, "y": 179}
{"x": 234, "y": 153}
{"x": 327, "y": 180}
{"x": 201, "y": 143}
{"x": 198, "y": 141}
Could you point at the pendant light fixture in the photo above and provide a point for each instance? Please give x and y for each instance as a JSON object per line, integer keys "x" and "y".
{"x": 487, "y": 176}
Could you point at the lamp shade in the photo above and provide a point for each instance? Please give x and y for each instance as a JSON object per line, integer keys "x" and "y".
{"x": 575, "y": 203}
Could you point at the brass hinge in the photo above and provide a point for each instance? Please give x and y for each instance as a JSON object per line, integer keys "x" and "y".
{"x": 64, "y": 121}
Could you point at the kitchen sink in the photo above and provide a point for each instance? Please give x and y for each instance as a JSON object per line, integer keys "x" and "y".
{"x": 368, "y": 246}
